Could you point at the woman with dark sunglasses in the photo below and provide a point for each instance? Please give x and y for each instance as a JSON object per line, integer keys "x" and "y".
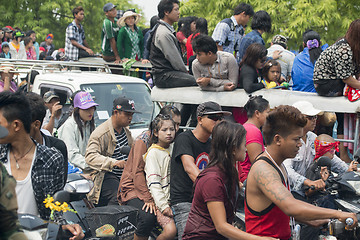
{"x": 216, "y": 187}
{"x": 250, "y": 68}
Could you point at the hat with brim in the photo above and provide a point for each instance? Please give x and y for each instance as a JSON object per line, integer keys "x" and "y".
{"x": 307, "y": 108}
{"x": 3, "y": 132}
{"x": 210, "y": 108}
{"x": 7, "y": 30}
{"x": 121, "y": 21}
{"x": 49, "y": 95}
{"x": 84, "y": 100}
{"x": 8, "y": 67}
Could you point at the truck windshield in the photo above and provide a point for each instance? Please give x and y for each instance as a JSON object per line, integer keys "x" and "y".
{"x": 105, "y": 93}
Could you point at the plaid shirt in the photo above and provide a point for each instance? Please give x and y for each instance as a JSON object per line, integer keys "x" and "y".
{"x": 77, "y": 34}
{"x": 222, "y": 32}
{"x": 46, "y": 174}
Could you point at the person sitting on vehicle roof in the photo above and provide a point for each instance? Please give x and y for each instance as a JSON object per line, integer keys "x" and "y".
{"x": 76, "y": 45}
{"x": 303, "y": 66}
{"x": 213, "y": 70}
{"x": 296, "y": 167}
{"x": 76, "y": 130}
{"x": 103, "y": 152}
{"x": 17, "y": 48}
{"x": 169, "y": 70}
{"x": 130, "y": 41}
{"x": 5, "y": 50}
{"x": 48, "y": 45}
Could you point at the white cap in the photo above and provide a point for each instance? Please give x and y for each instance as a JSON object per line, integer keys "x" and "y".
{"x": 306, "y": 108}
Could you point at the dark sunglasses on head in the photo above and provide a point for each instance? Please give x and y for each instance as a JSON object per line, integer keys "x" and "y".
{"x": 215, "y": 117}
{"x": 311, "y": 117}
{"x": 262, "y": 60}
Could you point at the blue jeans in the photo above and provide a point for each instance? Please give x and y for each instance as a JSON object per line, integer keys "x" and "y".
{"x": 174, "y": 79}
{"x": 181, "y": 212}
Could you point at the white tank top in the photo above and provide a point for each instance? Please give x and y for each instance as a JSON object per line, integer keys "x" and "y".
{"x": 24, "y": 190}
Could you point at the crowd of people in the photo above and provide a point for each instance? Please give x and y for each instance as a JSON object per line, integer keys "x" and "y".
{"x": 186, "y": 181}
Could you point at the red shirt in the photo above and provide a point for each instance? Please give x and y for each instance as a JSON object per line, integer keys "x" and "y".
{"x": 209, "y": 186}
{"x": 270, "y": 222}
{"x": 189, "y": 49}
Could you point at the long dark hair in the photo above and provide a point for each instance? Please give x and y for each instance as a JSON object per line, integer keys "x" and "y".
{"x": 227, "y": 137}
{"x": 253, "y": 53}
{"x": 80, "y": 124}
{"x": 314, "y": 52}
{"x": 352, "y": 37}
{"x": 184, "y": 25}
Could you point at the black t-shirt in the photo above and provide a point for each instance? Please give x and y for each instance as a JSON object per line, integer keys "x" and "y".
{"x": 181, "y": 186}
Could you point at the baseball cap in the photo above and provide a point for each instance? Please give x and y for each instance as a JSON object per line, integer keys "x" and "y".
{"x": 6, "y": 29}
{"x": 307, "y": 108}
{"x": 49, "y": 95}
{"x": 18, "y": 34}
{"x": 208, "y": 108}
{"x": 279, "y": 39}
{"x": 83, "y": 100}
{"x": 107, "y": 7}
{"x": 50, "y": 35}
{"x": 124, "y": 104}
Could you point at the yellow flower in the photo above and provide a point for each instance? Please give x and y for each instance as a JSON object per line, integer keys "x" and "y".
{"x": 57, "y": 203}
{"x": 137, "y": 69}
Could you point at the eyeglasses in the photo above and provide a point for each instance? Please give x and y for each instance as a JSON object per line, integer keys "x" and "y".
{"x": 262, "y": 60}
{"x": 311, "y": 117}
{"x": 215, "y": 117}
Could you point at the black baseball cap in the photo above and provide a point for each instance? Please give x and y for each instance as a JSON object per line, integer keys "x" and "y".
{"x": 124, "y": 104}
{"x": 208, "y": 108}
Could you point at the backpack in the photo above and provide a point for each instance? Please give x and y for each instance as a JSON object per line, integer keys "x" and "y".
{"x": 231, "y": 25}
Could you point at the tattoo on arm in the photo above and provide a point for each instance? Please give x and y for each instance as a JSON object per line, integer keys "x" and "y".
{"x": 269, "y": 181}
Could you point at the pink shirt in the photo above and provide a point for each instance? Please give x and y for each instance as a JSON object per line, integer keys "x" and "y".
{"x": 253, "y": 135}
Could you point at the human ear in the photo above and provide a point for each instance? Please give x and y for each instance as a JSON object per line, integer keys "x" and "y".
{"x": 277, "y": 139}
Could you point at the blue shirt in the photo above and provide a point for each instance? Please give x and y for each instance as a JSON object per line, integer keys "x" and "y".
{"x": 222, "y": 32}
{"x": 252, "y": 37}
{"x": 303, "y": 71}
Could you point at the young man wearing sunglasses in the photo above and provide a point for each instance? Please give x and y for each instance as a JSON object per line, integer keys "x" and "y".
{"x": 297, "y": 167}
{"x": 190, "y": 156}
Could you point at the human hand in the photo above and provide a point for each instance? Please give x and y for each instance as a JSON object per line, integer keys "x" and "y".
{"x": 276, "y": 54}
{"x": 344, "y": 215}
{"x": 89, "y": 51}
{"x": 144, "y": 61}
{"x": 55, "y": 110}
{"x": 282, "y": 79}
{"x": 168, "y": 212}
{"x": 353, "y": 166}
{"x": 75, "y": 230}
{"x": 117, "y": 60}
{"x": 229, "y": 86}
{"x": 120, "y": 163}
{"x": 149, "y": 206}
{"x": 324, "y": 173}
{"x": 318, "y": 184}
{"x": 203, "y": 81}
{"x": 124, "y": 60}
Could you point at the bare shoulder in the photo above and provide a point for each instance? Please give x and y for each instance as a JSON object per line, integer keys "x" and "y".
{"x": 268, "y": 181}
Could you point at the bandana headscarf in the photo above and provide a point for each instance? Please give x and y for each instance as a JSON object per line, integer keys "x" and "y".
{"x": 322, "y": 147}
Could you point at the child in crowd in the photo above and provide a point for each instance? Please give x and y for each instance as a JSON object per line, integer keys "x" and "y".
{"x": 29, "y": 48}
{"x": 157, "y": 169}
{"x": 272, "y": 75}
{"x": 5, "y": 50}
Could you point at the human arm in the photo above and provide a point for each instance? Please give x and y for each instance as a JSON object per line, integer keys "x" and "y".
{"x": 254, "y": 149}
{"x": 78, "y": 45}
{"x": 154, "y": 178}
{"x": 189, "y": 166}
{"x": 218, "y": 216}
{"x": 268, "y": 181}
{"x": 67, "y": 133}
{"x": 6, "y": 77}
{"x": 141, "y": 43}
{"x": 120, "y": 42}
{"x": 94, "y": 155}
{"x": 165, "y": 41}
{"x": 220, "y": 34}
{"x": 55, "y": 113}
{"x": 249, "y": 78}
{"x": 352, "y": 82}
{"x": 339, "y": 166}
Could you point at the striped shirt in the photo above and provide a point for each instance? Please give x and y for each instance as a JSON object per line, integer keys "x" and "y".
{"x": 121, "y": 140}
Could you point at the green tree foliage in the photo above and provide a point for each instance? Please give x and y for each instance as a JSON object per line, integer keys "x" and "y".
{"x": 53, "y": 16}
{"x": 330, "y": 18}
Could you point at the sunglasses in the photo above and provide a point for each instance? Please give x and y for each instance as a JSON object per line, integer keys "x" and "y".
{"x": 311, "y": 117}
{"x": 215, "y": 117}
{"x": 262, "y": 60}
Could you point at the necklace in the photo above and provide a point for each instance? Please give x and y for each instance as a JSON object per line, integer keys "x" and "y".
{"x": 17, "y": 159}
{"x": 283, "y": 175}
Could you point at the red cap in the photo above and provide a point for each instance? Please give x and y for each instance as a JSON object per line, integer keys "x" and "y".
{"x": 42, "y": 49}
{"x": 10, "y": 28}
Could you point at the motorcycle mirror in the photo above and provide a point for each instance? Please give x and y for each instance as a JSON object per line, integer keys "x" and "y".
{"x": 62, "y": 196}
{"x": 324, "y": 162}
